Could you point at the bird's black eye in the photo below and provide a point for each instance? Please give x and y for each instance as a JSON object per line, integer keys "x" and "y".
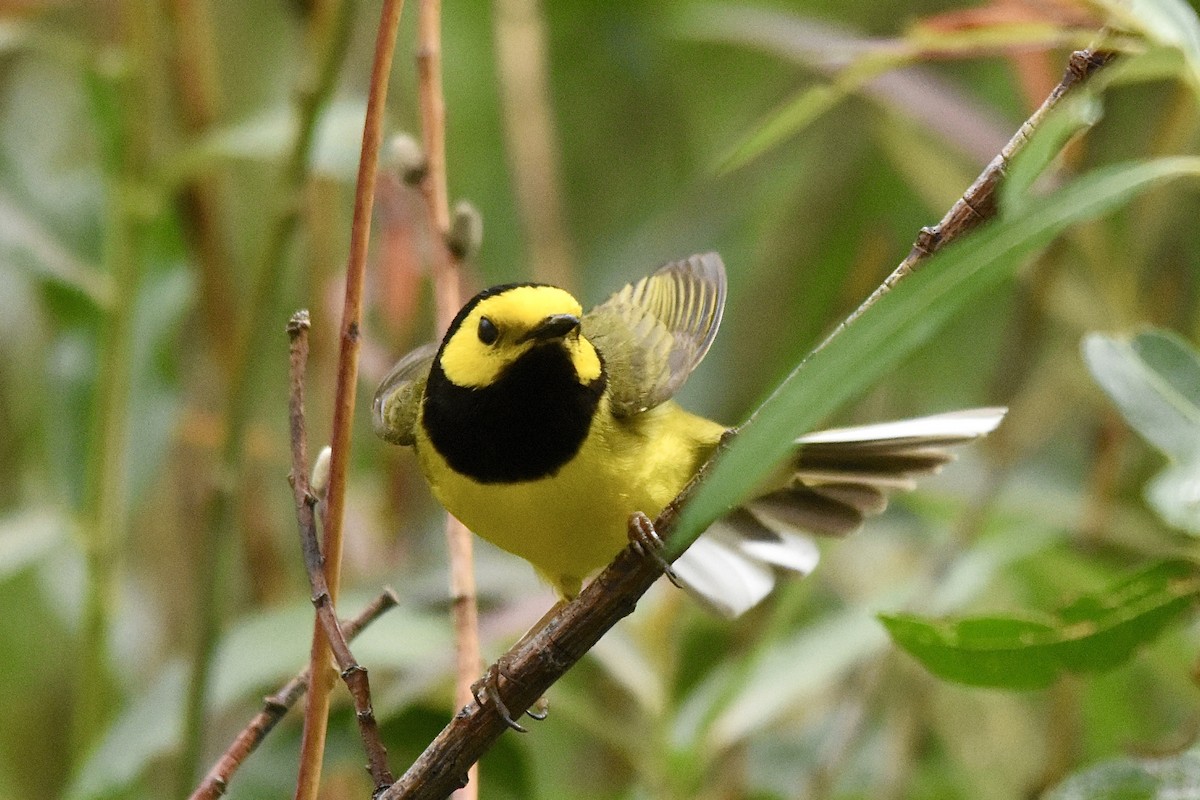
{"x": 488, "y": 332}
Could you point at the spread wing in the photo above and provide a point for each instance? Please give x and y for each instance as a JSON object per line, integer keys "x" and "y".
{"x": 397, "y": 404}
{"x": 653, "y": 333}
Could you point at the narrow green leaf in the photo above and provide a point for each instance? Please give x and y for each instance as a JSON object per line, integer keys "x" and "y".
{"x": 795, "y": 115}
{"x": 900, "y": 322}
{"x": 263, "y": 649}
{"x": 1134, "y": 779}
{"x": 981, "y": 651}
{"x": 1075, "y": 114}
{"x": 267, "y": 137}
{"x": 1170, "y": 356}
{"x": 1096, "y": 632}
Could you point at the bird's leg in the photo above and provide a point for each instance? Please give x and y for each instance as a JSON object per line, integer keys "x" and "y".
{"x": 646, "y": 542}
{"x": 488, "y": 687}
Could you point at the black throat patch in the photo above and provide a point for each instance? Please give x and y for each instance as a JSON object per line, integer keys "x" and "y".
{"x": 525, "y": 426}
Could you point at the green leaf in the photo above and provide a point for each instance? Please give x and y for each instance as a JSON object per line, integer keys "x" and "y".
{"x": 267, "y": 137}
{"x": 1174, "y": 494}
{"x": 795, "y": 115}
{"x": 1096, "y": 632}
{"x": 145, "y": 731}
{"x": 1134, "y": 779}
{"x": 898, "y": 324}
{"x": 1169, "y": 22}
{"x": 264, "y": 649}
{"x": 1140, "y": 377}
{"x": 27, "y": 536}
{"x": 1154, "y": 379}
{"x": 1075, "y": 114}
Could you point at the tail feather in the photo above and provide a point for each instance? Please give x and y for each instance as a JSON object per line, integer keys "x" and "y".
{"x": 732, "y": 566}
{"x": 839, "y": 478}
{"x": 805, "y": 509}
{"x": 869, "y": 500}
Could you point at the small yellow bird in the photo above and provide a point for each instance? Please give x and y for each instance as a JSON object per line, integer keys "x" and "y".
{"x": 543, "y": 429}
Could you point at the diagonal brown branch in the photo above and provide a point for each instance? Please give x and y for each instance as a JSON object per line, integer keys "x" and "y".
{"x": 978, "y": 203}
{"x": 534, "y": 664}
{"x": 216, "y": 782}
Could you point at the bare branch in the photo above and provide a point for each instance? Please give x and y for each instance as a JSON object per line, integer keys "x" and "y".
{"x": 275, "y": 706}
{"x": 978, "y": 203}
{"x": 317, "y": 711}
{"x": 354, "y": 675}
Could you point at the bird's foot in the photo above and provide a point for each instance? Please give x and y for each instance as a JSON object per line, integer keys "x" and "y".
{"x": 487, "y": 688}
{"x": 646, "y": 542}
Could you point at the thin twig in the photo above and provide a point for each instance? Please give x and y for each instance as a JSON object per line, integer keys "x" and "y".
{"x": 978, "y": 203}
{"x": 316, "y": 715}
{"x": 354, "y": 674}
{"x": 446, "y": 281}
{"x": 276, "y": 705}
{"x": 315, "y": 88}
{"x": 535, "y": 663}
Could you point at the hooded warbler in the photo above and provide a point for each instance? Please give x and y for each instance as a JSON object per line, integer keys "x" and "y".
{"x": 543, "y": 428}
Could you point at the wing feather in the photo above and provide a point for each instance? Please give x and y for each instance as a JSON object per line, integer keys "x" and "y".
{"x": 397, "y": 404}
{"x": 652, "y": 333}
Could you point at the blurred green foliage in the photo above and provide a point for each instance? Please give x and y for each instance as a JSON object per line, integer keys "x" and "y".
{"x": 142, "y": 152}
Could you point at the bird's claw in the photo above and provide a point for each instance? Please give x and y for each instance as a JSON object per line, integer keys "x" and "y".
{"x": 646, "y": 542}
{"x": 488, "y": 688}
{"x": 539, "y": 710}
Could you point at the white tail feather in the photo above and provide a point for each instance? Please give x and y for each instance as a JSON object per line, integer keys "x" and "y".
{"x": 733, "y": 565}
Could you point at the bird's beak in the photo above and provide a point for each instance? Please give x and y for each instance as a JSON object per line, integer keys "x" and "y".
{"x": 555, "y": 326}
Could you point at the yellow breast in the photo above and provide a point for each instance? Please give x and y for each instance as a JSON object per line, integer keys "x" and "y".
{"x": 571, "y": 523}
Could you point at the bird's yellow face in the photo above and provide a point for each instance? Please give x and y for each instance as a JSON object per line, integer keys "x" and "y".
{"x": 504, "y": 326}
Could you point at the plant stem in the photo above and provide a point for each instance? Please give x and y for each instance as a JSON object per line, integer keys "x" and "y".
{"x": 107, "y": 503}
{"x": 199, "y": 98}
{"x": 315, "y": 89}
{"x": 446, "y": 282}
{"x": 354, "y": 674}
{"x": 317, "y": 711}
{"x": 519, "y": 32}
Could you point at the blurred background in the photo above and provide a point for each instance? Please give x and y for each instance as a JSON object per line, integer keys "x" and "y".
{"x": 159, "y": 223}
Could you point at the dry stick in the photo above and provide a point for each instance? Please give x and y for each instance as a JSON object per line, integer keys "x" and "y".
{"x": 978, "y": 203}
{"x": 446, "y": 295}
{"x": 316, "y": 714}
{"x": 354, "y": 674}
{"x": 532, "y": 666}
{"x": 275, "y": 706}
